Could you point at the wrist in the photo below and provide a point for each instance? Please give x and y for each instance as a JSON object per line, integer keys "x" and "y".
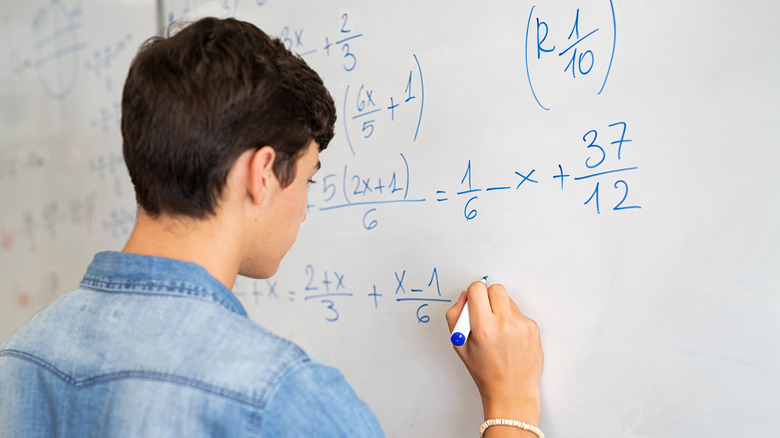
{"x": 527, "y": 409}
{"x": 506, "y": 428}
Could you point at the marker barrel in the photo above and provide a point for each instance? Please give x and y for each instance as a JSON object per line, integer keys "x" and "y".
{"x": 463, "y": 327}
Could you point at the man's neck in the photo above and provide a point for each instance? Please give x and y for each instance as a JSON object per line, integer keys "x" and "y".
{"x": 205, "y": 242}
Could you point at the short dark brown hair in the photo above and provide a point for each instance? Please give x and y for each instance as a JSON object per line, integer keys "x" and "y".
{"x": 193, "y": 102}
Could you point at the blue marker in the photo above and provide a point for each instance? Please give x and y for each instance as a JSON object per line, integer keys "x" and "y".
{"x": 463, "y": 326}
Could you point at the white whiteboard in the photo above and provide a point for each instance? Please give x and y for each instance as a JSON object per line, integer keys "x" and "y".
{"x": 659, "y": 318}
{"x": 64, "y": 190}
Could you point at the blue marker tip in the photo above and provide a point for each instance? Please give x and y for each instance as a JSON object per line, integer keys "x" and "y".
{"x": 458, "y": 339}
{"x": 463, "y": 326}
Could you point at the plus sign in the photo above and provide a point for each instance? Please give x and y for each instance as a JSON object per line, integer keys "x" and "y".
{"x": 561, "y": 175}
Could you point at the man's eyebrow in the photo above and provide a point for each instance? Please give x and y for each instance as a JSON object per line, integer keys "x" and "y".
{"x": 318, "y": 165}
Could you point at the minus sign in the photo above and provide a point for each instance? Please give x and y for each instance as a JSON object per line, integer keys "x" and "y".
{"x": 310, "y": 52}
{"x": 497, "y": 188}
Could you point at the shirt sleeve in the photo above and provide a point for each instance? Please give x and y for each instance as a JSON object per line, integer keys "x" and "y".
{"x": 315, "y": 401}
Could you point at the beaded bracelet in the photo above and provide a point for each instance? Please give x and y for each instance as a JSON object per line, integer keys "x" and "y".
{"x": 505, "y": 422}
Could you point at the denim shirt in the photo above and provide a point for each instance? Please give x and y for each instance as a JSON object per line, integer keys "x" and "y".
{"x": 150, "y": 346}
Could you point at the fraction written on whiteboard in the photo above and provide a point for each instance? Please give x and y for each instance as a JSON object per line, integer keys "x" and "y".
{"x": 596, "y": 170}
{"x": 605, "y": 170}
{"x": 330, "y": 289}
{"x": 578, "y": 48}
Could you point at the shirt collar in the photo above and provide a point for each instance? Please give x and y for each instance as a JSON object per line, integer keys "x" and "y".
{"x": 112, "y": 271}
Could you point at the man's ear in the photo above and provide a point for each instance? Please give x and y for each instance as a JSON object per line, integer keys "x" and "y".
{"x": 261, "y": 175}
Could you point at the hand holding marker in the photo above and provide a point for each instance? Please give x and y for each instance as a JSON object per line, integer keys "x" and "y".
{"x": 504, "y": 355}
{"x": 463, "y": 326}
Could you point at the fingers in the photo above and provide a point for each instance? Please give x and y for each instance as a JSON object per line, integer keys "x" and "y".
{"x": 484, "y": 303}
{"x": 488, "y": 302}
{"x": 479, "y": 303}
{"x": 499, "y": 299}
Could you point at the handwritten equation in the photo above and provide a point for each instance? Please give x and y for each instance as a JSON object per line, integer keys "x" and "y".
{"x": 57, "y": 46}
{"x": 340, "y": 45}
{"x": 366, "y": 190}
{"x": 108, "y": 117}
{"x": 605, "y": 169}
{"x": 19, "y": 163}
{"x": 120, "y": 222}
{"x": 363, "y": 106}
{"x": 364, "y": 102}
{"x": 103, "y": 59}
{"x": 110, "y": 167}
{"x": 580, "y": 47}
{"x": 595, "y": 170}
{"x": 45, "y": 223}
{"x": 330, "y": 289}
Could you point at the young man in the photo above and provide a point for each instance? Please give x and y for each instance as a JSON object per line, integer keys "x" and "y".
{"x": 222, "y": 129}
